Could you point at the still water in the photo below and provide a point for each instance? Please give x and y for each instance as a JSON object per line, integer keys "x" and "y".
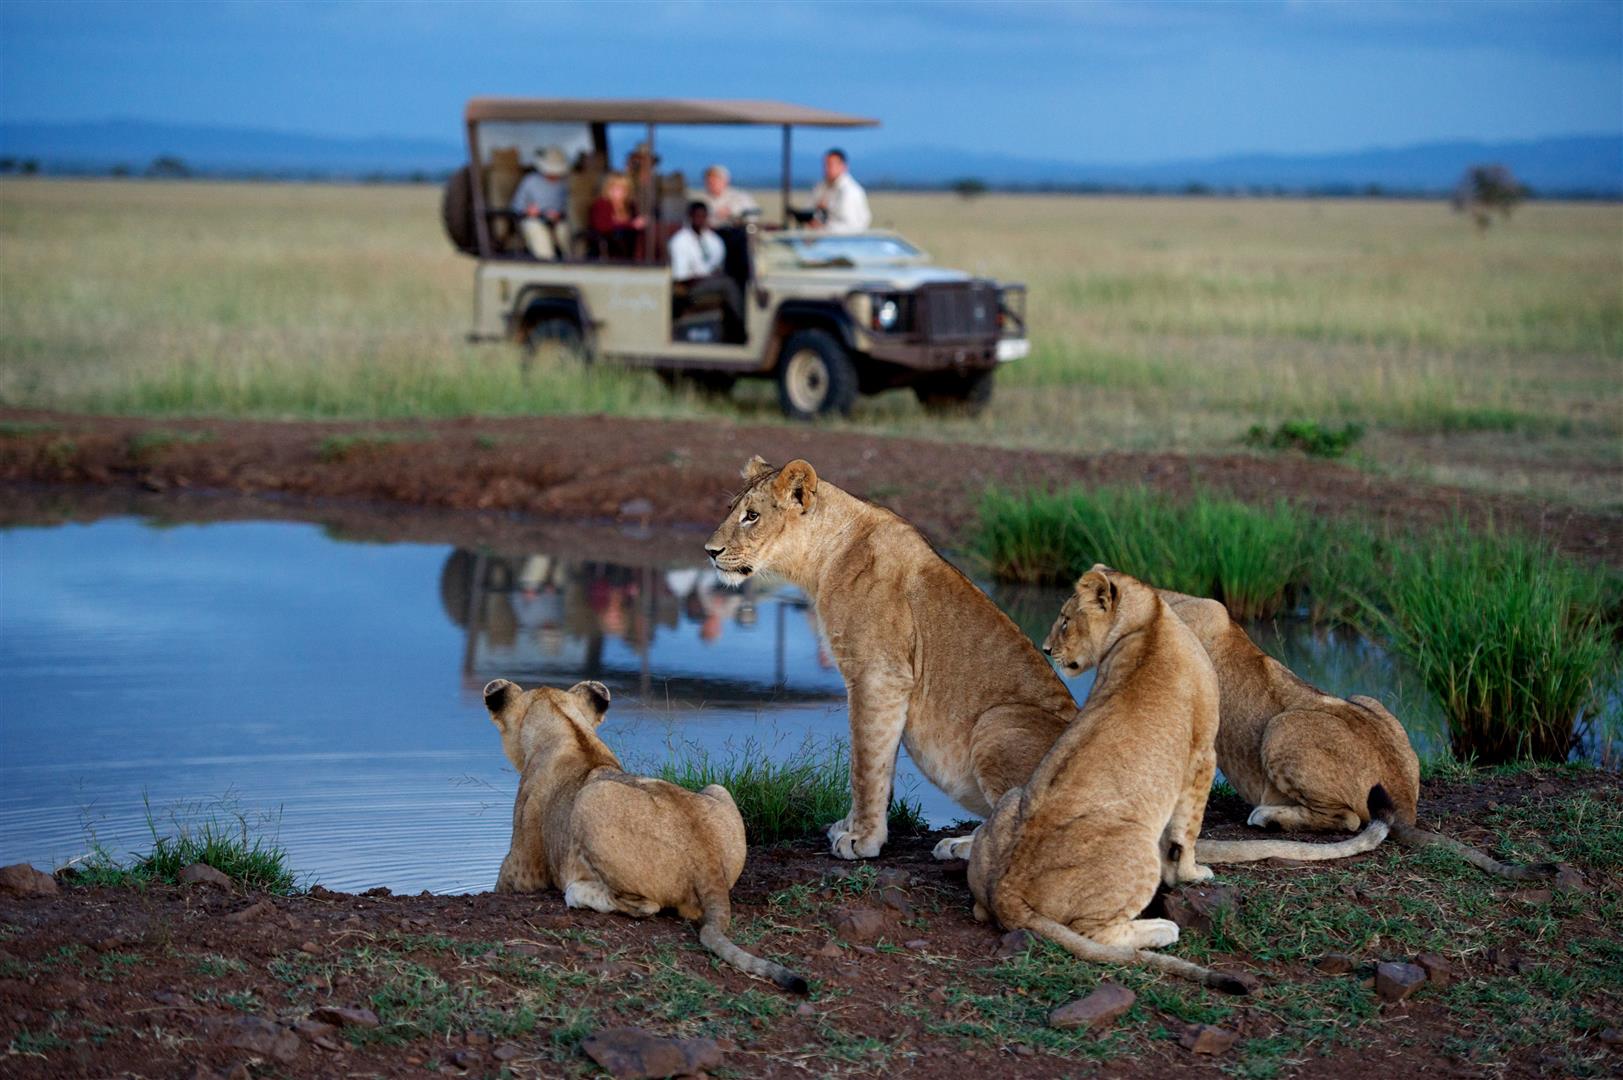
{"x": 328, "y": 691}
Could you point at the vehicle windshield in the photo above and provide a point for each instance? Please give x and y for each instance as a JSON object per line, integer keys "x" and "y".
{"x": 814, "y": 250}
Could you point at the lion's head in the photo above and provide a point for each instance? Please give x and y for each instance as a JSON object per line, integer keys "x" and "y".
{"x": 524, "y": 716}
{"x": 764, "y": 521}
{"x": 1079, "y": 636}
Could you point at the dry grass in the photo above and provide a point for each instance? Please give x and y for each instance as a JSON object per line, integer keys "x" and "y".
{"x": 1493, "y": 360}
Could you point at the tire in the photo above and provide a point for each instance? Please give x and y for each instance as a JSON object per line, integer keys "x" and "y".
{"x": 555, "y": 332}
{"x": 815, "y": 376}
{"x": 966, "y": 394}
{"x": 456, "y": 212}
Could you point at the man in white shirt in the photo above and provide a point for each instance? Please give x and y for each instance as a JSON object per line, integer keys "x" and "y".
{"x": 697, "y": 255}
{"x": 728, "y": 205}
{"x": 542, "y": 197}
{"x": 843, "y": 203}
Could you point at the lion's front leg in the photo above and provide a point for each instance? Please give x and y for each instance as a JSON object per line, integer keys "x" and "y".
{"x": 878, "y": 717}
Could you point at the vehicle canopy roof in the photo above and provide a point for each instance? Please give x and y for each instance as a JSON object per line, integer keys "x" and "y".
{"x": 659, "y": 111}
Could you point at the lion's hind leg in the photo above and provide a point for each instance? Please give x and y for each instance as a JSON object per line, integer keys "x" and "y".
{"x": 1316, "y": 774}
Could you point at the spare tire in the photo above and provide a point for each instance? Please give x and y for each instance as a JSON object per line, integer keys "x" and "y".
{"x": 456, "y": 211}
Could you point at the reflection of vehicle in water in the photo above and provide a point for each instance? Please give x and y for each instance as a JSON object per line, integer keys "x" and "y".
{"x": 553, "y": 619}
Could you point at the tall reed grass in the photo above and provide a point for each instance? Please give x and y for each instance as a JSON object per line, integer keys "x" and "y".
{"x": 1517, "y": 644}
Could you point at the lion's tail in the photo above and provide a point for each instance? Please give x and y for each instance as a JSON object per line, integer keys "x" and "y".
{"x": 1088, "y": 949}
{"x": 1410, "y": 836}
{"x": 713, "y": 936}
{"x": 1381, "y": 821}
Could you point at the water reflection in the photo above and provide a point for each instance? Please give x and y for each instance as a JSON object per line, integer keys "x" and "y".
{"x": 335, "y": 684}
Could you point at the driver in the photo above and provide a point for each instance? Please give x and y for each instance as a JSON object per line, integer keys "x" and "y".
{"x": 841, "y": 200}
{"x": 697, "y": 254}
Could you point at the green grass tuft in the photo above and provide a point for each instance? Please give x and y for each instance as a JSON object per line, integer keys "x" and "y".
{"x": 1308, "y": 436}
{"x": 787, "y": 799}
{"x": 218, "y": 835}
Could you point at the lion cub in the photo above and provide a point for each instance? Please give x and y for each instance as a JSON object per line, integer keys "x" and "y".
{"x": 609, "y": 840}
{"x": 1309, "y": 760}
{"x": 1113, "y": 809}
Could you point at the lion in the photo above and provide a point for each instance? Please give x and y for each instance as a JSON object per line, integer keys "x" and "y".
{"x": 612, "y": 841}
{"x": 928, "y": 660}
{"x": 1112, "y": 812}
{"x": 1307, "y": 760}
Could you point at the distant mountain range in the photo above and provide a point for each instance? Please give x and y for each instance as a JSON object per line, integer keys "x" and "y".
{"x": 1582, "y": 164}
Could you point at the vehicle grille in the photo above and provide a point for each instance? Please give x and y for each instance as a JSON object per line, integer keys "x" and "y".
{"x": 958, "y": 312}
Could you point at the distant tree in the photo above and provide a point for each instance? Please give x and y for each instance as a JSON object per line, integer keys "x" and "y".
{"x": 1486, "y": 190}
{"x": 169, "y": 167}
{"x": 8, "y": 164}
{"x": 417, "y": 176}
{"x": 969, "y": 187}
{"x": 1195, "y": 187}
{"x": 29, "y": 166}
{"x": 120, "y": 170}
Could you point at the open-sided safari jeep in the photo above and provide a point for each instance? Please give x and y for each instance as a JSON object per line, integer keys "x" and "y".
{"x": 828, "y": 317}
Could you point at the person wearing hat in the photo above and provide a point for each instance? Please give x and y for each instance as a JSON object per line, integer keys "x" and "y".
{"x": 542, "y": 201}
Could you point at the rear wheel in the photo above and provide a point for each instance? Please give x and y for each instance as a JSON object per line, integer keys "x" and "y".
{"x": 555, "y": 334}
{"x": 950, "y": 392}
{"x": 815, "y": 376}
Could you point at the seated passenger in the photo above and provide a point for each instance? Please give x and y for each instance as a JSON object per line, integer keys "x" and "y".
{"x": 696, "y": 257}
{"x": 728, "y": 205}
{"x": 616, "y": 225}
{"x": 542, "y": 197}
{"x": 841, "y": 202}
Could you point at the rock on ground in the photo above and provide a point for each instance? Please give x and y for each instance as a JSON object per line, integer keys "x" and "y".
{"x": 1394, "y": 982}
{"x": 1096, "y": 1010}
{"x": 630, "y": 1053}
{"x": 1207, "y": 1038}
{"x": 859, "y": 924}
{"x": 204, "y": 874}
{"x": 20, "y": 879}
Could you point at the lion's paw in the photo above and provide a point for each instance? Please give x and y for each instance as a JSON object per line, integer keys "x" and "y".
{"x": 954, "y": 847}
{"x": 1155, "y": 933}
{"x": 1199, "y": 873}
{"x": 588, "y": 894}
{"x": 1262, "y": 817}
{"x": 852, "y": 845}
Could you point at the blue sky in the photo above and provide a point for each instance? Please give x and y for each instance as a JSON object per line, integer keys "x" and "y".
{"x": 1105, "y": 81}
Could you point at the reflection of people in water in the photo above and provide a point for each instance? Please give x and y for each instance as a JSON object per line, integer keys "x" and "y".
{"x": 709, "y": 603}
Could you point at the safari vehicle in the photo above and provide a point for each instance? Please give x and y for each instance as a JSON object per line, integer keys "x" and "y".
{"x": 829, "y": 317}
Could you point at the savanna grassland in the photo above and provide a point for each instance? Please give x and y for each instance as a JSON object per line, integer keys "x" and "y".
{"x": 1490, "y": 360}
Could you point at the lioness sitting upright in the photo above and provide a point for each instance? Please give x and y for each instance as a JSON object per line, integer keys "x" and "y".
{"x": 927, "y": 658}
{"x": 609, "y": 840}
{"x": 1114, "y": 808}
{"x": 1310, "y": 760}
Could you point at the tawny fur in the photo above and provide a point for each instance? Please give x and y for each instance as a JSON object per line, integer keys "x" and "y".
{"x": 1112, "y": 811}
{"x": 1307, "y": 760}
{"x": 928, "y": 660}
{"x": 609, "y": 840}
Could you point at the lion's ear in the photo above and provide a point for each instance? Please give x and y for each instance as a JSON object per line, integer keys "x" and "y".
{"x": 755, "y": 468}
{"x": 498, "y": 693}
{"x": 796, "y": 483}
{"x": 596, "y": 696}
{"x": 1095, "y": 587}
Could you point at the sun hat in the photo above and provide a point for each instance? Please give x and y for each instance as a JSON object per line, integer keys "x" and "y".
{"x": 551, "y": 161}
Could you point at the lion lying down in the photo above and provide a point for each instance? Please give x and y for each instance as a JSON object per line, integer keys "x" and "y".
{"x": 1112, "y": 810}
{"x": 1309, "y": 760}
{"x": 609, "y": 840}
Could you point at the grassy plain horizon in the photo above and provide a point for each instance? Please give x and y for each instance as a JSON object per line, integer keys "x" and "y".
{"x": 1493, "y": 360}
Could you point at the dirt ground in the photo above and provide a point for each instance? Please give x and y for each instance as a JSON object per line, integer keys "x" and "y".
{"x": 198, "y": 981}
{"x": 681, "y": 472}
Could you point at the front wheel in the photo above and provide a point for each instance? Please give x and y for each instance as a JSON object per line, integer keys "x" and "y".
{"x": 968, "y": 393}
{"x": 815, "y": 376}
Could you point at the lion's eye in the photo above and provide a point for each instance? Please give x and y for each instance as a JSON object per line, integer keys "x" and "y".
{"x": 749, "y": 516}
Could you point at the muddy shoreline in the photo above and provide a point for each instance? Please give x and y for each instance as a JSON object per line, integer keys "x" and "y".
{"x": 680, "y": 473}
{"x": 196, "y": 981}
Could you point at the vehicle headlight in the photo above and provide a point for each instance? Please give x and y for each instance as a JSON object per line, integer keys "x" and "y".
{"x": 886, "y": 314}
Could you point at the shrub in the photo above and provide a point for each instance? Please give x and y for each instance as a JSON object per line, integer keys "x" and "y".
{"x": 1308, "y": 436}
{"x": 788, "y": 799}
{"x": 1515, "y": 642}
{"x": 219, "y": 836}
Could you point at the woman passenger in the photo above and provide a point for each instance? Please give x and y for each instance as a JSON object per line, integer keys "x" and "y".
{"x": 614, "y": 218}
